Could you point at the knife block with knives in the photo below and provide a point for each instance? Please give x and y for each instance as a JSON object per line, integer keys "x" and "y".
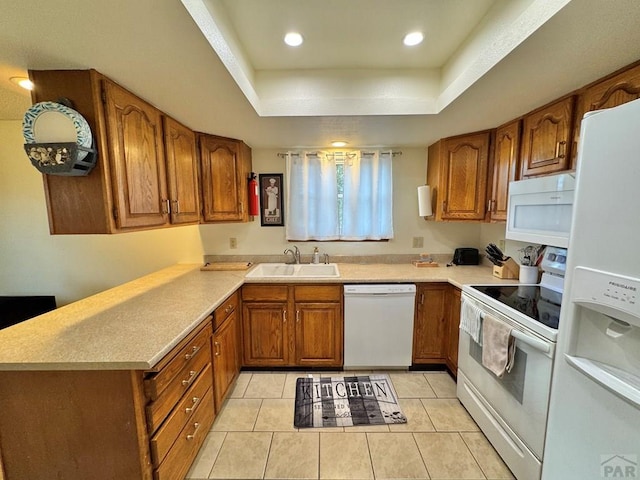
{"x": 503, "y": 266}
{"x": 508, "y": 269}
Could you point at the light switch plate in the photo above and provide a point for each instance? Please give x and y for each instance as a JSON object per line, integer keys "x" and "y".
{"x": 418, "y": 242}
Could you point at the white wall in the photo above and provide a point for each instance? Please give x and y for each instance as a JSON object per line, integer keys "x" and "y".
{"x": 71, "y": 267}
{"x": 75, "y": 266}
{"x": 409, "y": 171}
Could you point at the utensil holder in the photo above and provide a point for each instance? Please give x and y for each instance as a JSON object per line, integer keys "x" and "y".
{"x": 528, "y": 274}
{"x": 509, "y": 269}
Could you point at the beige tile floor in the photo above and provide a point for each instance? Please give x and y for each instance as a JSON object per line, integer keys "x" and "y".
{"x": 253, "y": 436}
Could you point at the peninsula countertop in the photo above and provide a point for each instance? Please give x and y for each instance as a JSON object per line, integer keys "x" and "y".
{"x": 132, "y": 326}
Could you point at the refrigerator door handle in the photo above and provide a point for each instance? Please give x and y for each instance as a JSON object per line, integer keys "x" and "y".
{"x": 619, "y": 382}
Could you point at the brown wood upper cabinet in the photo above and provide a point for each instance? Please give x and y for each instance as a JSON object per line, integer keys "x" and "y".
{"x": 547, "y": 139}
{"x": 133, "y": 185}
{"x": 134, "y": 129}
{"x": 182, "y": 172}
{"x": 225, "y": 165}
{"x": 457, "y": 171}
{"x": 616, "y": 89}
{"x": 504, "y": 168}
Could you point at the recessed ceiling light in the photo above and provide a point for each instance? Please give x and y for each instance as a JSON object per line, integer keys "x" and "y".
{"x": 293, "y": 39}
{"x": 413, "y": 38}
{"x": 339, "y": 144}
{"x": 24, "y": 82}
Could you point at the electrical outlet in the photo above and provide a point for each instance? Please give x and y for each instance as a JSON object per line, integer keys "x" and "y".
{"x": 233, "y": 242}
{"x": 501, "y": 245}
{"x": 418, "y": 242}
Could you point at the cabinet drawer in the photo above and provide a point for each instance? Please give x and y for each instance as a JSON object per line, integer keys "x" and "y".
{"x": 229, "y": 306}
{"x": 265, "y": 293}
{"x": 166, "y": 435}
{"x": 318, "y": 293}
{"x": 187, "y": 352}
{"x": 178, "y": 461}
{"x": 158, "y": 409}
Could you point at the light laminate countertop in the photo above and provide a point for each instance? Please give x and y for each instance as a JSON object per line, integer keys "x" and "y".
{"x": 132, "y": 326}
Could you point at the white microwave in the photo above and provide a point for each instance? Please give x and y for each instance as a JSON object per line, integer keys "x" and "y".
{"x": 539, "y": 210}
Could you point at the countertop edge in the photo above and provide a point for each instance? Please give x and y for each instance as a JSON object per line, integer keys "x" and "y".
{"x": 146, "y": 289}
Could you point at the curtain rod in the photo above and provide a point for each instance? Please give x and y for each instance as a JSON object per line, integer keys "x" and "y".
{"x": 338, "y": 154}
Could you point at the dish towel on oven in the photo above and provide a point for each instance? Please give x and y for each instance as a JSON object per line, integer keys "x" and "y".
{"x": 498, "y": 346}
{"x": 471, "y": 321}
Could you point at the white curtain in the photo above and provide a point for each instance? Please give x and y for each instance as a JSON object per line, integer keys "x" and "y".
{"x": 368, "y": 197}
{"x": 312, "y": 197}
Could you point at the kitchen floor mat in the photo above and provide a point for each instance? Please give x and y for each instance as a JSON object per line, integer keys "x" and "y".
{"x": 346, "y": 401}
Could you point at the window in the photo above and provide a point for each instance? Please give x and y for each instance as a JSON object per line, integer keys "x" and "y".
{"x": 339, "y": 196}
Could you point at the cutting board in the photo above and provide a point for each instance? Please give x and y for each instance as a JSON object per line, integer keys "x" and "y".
{"x": 218, "y": 266}
{"x": 424, "y": 263}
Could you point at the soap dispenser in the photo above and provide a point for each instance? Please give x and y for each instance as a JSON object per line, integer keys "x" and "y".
{"x": 316, "y": 255}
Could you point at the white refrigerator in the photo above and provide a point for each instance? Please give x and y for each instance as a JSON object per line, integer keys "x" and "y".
{"x": 593, "y": 429}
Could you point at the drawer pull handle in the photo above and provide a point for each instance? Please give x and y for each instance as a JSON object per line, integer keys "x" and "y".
{"x": 217, "y": 345}
{"x": 228, "y": 309}
{"x": 191, "y": 436}
{"x": 196, "y": 401}
{"x": 194, "y": 350}
{"x": 187, "y": 382}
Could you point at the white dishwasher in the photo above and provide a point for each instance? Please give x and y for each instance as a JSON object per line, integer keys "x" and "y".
{"x": 378, "y": 325}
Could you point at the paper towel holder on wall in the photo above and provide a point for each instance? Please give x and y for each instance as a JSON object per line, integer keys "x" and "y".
{"x": 424, "y": 201}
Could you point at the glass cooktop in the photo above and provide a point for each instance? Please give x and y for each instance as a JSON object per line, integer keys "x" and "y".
{"x": 534, "y": 301}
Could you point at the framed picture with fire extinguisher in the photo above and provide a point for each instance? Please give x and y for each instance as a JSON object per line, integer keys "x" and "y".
{"x": 271, "y": 195}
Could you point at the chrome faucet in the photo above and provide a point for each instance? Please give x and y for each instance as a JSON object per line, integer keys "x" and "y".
{"x": 294, "y": 253}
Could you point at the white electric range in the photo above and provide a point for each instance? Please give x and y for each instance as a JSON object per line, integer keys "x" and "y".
{"x": 512, "y": 410}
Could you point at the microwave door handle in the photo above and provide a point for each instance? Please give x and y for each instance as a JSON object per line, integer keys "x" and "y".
{"x": 531, "y": 341}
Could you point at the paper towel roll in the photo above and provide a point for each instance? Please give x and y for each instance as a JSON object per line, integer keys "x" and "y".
{"x": 424, "y": 201}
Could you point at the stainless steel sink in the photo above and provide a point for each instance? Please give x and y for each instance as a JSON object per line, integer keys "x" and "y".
{"x": 285, "y": 270}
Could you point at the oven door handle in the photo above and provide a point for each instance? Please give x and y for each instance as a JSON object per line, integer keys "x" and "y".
{"x": 531, "y": 341}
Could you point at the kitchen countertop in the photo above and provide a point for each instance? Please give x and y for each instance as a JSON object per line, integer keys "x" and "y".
{"x": 132, "y": 326}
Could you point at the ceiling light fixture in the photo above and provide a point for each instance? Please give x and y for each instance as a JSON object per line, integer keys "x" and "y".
{"x": 339, "y": 144}
{"x": 293, "y": 39}
{"x": 413, "y": 38}
{"x": 23, "y": 82}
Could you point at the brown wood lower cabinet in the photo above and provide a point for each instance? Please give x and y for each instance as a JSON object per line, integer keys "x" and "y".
{"x": 292, "y": 325}
{"x": 429, "y": 330}
{"x": 455, "y": 301}
{"x": 108, "y": 424}
{"x": 226, "y": 348}
{"x": 435, "y": 331}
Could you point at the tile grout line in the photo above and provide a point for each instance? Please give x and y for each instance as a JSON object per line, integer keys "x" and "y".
{"x": 424, "y": 462}
{"x": 217, "y": 454}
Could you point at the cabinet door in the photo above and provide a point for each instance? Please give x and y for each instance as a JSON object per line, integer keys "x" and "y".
{"x": 546, "y": 139}
{"x": 221, "y": 179}
{"x": 265, "y": 333}
{"x": 505, "y": 167}
{"x": 613, "y": 91}
{"x": 464, "y": 187}
{"x": 319, "y": 334}
{"x": 137, "y": 159}
{"x": 225, "y": 358}
{"x": 454, "y": 328}
{"x": 182, "y": 172}
{"x": 429, "y": 332}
